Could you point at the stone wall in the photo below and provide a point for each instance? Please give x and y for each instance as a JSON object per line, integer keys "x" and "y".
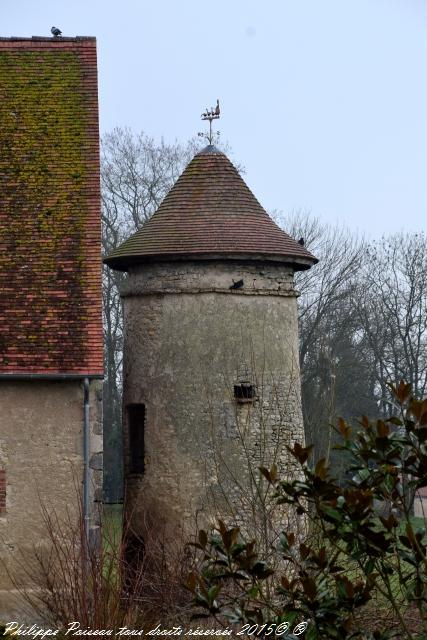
{"x": 189, "y": 338}
{"x": 41, "y": 454}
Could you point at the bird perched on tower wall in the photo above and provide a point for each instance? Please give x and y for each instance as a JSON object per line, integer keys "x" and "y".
{"x": 56, "y": 32}
{"x": 236, "y": 285}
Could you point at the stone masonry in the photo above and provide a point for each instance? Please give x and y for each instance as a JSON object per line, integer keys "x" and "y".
{"x": 189, "y": 339}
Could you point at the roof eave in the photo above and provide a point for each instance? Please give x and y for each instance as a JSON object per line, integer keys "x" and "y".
{"x": 123, "y": 263}
{"x": 15, "y": 375}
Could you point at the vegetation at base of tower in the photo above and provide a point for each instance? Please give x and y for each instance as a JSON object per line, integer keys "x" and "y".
{"x": 362, "y": 570}
{"x": 98, "y": 583}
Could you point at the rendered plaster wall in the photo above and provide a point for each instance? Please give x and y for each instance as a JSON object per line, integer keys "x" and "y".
{"x": 188, "y": 339}
{"x": 41, "y": 452}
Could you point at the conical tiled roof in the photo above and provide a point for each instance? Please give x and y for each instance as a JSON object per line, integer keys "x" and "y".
{"x": 210, "y": 213}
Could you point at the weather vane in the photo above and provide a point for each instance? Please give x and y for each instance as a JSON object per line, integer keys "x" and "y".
{"x": 210, "y": 114}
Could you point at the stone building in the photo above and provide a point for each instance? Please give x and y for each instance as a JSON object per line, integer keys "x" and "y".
{"x": 211, "y": 374}
{"x": 51, "y": 360}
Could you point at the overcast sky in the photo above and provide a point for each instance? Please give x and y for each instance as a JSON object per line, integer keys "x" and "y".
{"x": 324, "y": 102}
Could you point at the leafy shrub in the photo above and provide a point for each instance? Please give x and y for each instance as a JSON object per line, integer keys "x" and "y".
{"x": 362, "y": 570}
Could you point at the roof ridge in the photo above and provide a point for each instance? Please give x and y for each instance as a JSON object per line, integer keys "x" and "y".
{"x": 45, "y": 39}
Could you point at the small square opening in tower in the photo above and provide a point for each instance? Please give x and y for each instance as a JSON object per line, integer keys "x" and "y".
{"x": 244, "y": 392}
{"x": 136, "y": 422}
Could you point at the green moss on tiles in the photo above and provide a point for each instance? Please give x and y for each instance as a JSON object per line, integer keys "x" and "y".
{"x": 43, "y": 115}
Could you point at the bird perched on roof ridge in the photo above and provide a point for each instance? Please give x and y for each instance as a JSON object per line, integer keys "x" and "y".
{"x": 56, "y": 32}
{"x": 301, "y": 241}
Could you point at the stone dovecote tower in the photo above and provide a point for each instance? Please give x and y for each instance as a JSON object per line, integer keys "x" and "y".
{"x": 211, "y": 375}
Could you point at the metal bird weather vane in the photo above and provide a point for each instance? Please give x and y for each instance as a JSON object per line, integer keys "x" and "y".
{"x": 210, "y": 114}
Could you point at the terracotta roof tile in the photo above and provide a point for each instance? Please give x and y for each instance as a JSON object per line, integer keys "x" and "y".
{"x": 50, "y": 267}
{"x": 210, "y": 212}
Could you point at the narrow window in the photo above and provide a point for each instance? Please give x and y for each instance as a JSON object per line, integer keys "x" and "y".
{"x": 136, "y": 415}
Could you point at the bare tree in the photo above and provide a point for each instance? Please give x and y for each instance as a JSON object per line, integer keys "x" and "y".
{"x": 137, "y": 173}
{"x": 363, "y": 322}
{"x": 391, "y": 305}
{"x": 336, "y": 376}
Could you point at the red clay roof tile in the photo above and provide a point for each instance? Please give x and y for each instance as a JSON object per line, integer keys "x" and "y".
{"x": 210, "y": 212}
{"x": 50, "y": 267}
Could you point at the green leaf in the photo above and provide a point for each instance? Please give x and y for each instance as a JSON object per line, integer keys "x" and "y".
{"x": 332, "y": 514}
{"x": 369, "y": 566}
{"x": 213, "y": 592}
{"x": 253, "y": 592}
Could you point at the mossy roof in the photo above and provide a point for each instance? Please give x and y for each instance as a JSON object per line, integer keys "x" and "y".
{"x": 50, "y": 265}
